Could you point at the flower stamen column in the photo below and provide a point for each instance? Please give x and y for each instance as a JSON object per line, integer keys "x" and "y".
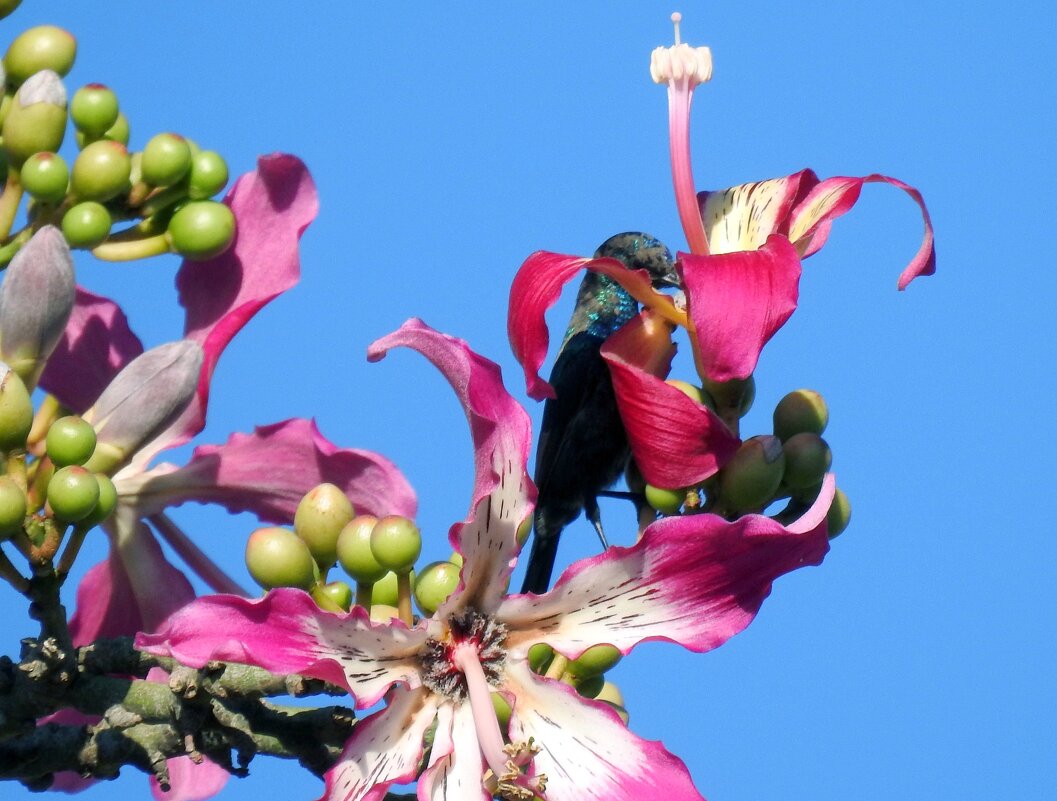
{"x": 683, "y": 67}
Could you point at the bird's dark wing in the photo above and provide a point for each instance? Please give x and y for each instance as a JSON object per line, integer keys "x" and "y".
{"x": 576, "y": 375}
{"x": 582, "y": 446}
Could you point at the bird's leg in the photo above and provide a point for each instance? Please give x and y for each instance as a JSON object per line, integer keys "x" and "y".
{"x": 595, "y": 516}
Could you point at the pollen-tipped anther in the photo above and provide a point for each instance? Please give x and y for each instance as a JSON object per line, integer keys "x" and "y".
{"x": 680, "y": 61}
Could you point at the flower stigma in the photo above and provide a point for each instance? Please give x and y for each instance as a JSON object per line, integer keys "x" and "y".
{"x": 683, "y": 67}
{"x": 466, "y": 662}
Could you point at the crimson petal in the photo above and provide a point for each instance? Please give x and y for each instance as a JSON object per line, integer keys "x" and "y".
{"x": 676, "y": 441}
{"x": 737, "y": 302}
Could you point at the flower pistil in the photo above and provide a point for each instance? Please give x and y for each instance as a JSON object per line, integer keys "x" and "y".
{"x": 683, "y": 67}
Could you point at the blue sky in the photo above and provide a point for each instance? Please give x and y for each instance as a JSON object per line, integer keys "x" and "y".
{"x": 449, "y": 143}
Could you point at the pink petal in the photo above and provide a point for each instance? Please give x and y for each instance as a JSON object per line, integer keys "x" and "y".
{"x": 811, "y": 219}
{"x": 743, "y": 217}
{"x": 273, "y": 206}
{"x": 106, "y": 606}
{"x": 134, "y": 588}
{"x": 190, "y": 781}
{"x": 456, "y": 768}
{"x": 384, "y": 749}
{"x": 268, "y": 472}
{"x": 586, "y": 751}
{"x": 676, "y": 441}
{"x": 536, "y": 288}
{"x": 96, "y": 344}
{"x": 503, "y": 493}
{"x": 737, "y": 302}
{"x": 696, "y": 580}
{"x": 286, "y": 632}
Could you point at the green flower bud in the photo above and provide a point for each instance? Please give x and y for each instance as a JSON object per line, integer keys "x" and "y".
{"x": 335, "y": 596}
{"x": 7, "y": 6}
{"x": 12, "y": 507}
{"x": 396, "y": 543}
{"x": 46, "y": 177}
{"x": 166, "y": 159}
{"x": 101, "y": 171}
{"x": 44, "y": 47}
{"x": 385, "y": 590}
{"x": 807, "y": 459}
{"x": 16, "y": 410}
{"x": 610, "y": 693}
{"x": 595, "y": 661}
{"x": 319, "y": 519}
{"x": 202, "y": 229}
{"x": 354, "y": 550}
{"x": 806, "y": 496}
{"x": 521, "y": 535}
{"x": 70, "y": 440}
{"x": 839, "y": 514}
{"x": 693, "y": 393}
{"x": 750, "y": 479}
{"x": 119, "y": 131}
{"x": 208, "y": 175}
{"x": 93, "y": 109}
{"x": 36, "y": 118}
{"x": 502, "y": 711}
{"x": 540, "y": 657}
{"x": 86, "y": 225}
{"x": 665, "y": 501}
{"x": 434, "y": 584}
{"x": 73, "y": 493}
{"x": 738, "y": 393}
{"x": 276, "y": 557}
{"x": 383, "y": 613}
{"x": 107, "y": 502}
{"x": 456, "y": 558}
{"x": 634, "y": 478}
{"x": 589, "y": 687}
{"x": 799, "y": 411}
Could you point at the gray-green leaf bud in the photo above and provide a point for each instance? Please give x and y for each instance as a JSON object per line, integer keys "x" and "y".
{"x": 147, "y": 396}
{"x": 35, "y": 302}
{"x": 16, "y": 410}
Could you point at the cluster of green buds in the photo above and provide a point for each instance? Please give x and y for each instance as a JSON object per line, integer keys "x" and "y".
{"x": 377, "y": 554}
{"x": 50, "y": 482}
{"x": 789, "y": 464}
{"x": 587, "y": 673}
{"x": 122, "y": 205}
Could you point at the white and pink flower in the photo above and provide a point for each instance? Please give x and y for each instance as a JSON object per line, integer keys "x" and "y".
{"x": 694, "y": 580}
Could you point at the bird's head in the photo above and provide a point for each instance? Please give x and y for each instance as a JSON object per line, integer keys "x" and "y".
{"x": 640, "y": 251}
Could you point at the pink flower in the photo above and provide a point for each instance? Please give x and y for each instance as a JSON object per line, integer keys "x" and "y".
{"x": 265, "y": 472}
{"x": 741, "y": 283}
{"x": 695, "y": 580}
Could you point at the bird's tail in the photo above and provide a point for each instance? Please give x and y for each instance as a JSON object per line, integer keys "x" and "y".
{"x": 543, "y": 554}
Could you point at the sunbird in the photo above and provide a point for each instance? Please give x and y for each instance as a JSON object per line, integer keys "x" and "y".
{"x": 583, "y": 447}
